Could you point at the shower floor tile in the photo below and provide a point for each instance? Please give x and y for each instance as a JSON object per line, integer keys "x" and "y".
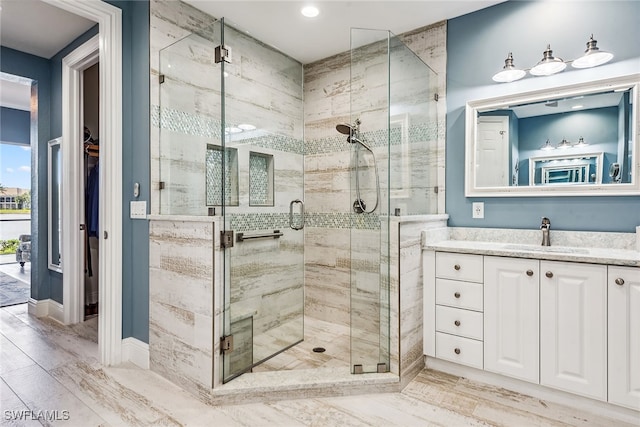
{"x": 317, "y": 333}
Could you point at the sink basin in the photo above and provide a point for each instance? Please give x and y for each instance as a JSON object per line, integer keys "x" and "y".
{"x": 554, "y": 249}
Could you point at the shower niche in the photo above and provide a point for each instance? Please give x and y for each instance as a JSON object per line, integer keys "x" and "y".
{"x": 286, "y": 264}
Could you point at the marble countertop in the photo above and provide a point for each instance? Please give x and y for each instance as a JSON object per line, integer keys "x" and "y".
{"x": 554, "y": 253}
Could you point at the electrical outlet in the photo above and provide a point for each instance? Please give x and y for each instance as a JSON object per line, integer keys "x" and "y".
{"x": 138, "y": 209}
{"x": 478, "y": 210}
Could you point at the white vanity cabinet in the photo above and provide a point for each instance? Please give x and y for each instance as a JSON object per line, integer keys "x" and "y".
{"x": 511, "y": 338}
{"x": 624, "y": 336}
{"x": 458, "y": 310}
{"x": 573, "y": 327}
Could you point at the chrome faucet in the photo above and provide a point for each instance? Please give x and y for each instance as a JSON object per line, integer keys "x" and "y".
{"x": 545, "y": 226}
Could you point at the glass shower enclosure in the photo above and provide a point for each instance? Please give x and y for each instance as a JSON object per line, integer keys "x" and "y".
{"x": 231, "y": 145}
{"x": 393, "y": 106}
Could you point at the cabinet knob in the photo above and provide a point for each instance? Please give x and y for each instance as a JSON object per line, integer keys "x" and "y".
{"x": 457, "y": 323}
{"x": 457, "y": 295}
{"x": 549, "y": 274}
{"x": 456, "y": 351}
{"x": 456, "y": 267}
{"x": 529, "y": 273}
{"x": 620, "y": 281}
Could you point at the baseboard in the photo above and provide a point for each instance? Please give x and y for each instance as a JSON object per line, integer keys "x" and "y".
{"x": 46, "y": 308}
{"x": 136, "y": 352}
{"x": 535, "y": 390}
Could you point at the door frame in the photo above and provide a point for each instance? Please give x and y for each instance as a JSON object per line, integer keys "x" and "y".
{"x": 73, "y": 66}
{"x": 109, "y": 19}
{"x": 504, "y": 122}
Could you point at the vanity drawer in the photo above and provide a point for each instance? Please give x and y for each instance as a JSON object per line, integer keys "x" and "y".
{"x": 455, "y": 266}
{"x": 456, "y": 321}
{"x": 459, "y": 294}
{"x": 459, "y": 350}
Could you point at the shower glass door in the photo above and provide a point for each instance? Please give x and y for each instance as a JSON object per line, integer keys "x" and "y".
{"x": 263, "y": 207}
{"x": 369, "y": 282}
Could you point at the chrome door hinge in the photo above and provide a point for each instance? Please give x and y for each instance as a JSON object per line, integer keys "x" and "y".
{"x": 226, "y": 344}
{"x": 226, "y": 239}
{"x": 222, "y": 53}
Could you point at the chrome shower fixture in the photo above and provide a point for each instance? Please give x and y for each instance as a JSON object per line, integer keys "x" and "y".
{"x": 353, "y": 132}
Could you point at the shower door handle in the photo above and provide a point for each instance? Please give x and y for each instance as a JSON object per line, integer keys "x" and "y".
{"x": 291, "y": 224}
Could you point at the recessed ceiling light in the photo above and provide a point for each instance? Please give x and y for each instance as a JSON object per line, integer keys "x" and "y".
{"x": 246, "y": 126}
{"x": 576, "y": 107}
{"x": 310, "y": 11}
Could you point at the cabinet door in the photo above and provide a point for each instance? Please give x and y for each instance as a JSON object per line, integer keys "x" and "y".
{"x": 573, "y": 327}
{"x": 511, "y": 317}
{"x": 624, "y": 336}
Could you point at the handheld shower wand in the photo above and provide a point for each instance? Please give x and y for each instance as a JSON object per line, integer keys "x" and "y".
{"x": 353, "y": 133}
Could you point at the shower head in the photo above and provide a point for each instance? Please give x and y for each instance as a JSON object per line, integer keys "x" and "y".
{"x": 345, "y": 129}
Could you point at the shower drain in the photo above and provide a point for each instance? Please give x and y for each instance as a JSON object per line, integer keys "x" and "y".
{"x": 319, "y": 350}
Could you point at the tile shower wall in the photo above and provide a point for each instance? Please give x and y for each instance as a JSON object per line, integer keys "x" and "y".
{"x": 328, "y": 162}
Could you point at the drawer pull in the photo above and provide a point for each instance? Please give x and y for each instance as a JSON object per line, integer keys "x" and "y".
{"x": 457, "y": 267}
{"x": 549, "y": 274}
{"x": 457, "y": 323}
{"x": 456, "y": 351}
{"x": 620, "y": 281}
{"x": 529, "y": 273}
{"x": 457, "y": 295}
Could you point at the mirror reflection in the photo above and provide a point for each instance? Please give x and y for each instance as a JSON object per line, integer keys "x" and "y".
{"x": 563, "y": 129}
{"x": 571, "y": 140}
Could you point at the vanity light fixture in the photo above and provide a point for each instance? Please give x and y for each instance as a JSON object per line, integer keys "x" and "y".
{"x": 564, "y": 144}
{"x": 581, "y": 143}
{"x": 548, "y": 65}
{"x": 593, "y": 56}
{"x": 509, "y": 72}
{"x": 547, "y": 146}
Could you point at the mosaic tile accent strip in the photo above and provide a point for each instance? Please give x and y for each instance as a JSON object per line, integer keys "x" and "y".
{"x": 183, "y": 122}
{"x": 260, "y": 179}
{"x": 208, "y": 127}
{"x": 258, "y": 221}
{"x": 214, "y": 176}
{"x": 427, "y": 132}
{"x": 263, "y": 221}
{"x": 274, "y": 142}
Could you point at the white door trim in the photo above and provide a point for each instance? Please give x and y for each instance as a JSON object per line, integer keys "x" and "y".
{"x": 109, "y": 19}
{"x": 73, "y": 250}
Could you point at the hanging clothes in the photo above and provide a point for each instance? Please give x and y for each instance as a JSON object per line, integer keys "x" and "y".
{"x": 91, "y": 202}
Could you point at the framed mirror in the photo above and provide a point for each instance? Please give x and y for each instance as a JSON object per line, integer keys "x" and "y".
{"x": 54, "y": 177}
{"x": 567, "y": 141}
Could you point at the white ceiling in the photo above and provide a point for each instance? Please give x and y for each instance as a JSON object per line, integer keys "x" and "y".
{"x": 38, "y": 28}
{"x": 281, "y": 25}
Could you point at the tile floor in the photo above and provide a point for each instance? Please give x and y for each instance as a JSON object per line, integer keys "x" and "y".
{"x": 49, "y": 367}
{"x": 317, "y": 333}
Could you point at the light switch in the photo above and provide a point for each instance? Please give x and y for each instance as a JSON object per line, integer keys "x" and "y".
{"x": 138, "y": 209}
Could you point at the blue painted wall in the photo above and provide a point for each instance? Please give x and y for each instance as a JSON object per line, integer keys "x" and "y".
{"x": 135, "y": 166}
{"x": 15, "y": 126}
{"x": 38, "y": 69}
{"x": 478, "y": 43}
